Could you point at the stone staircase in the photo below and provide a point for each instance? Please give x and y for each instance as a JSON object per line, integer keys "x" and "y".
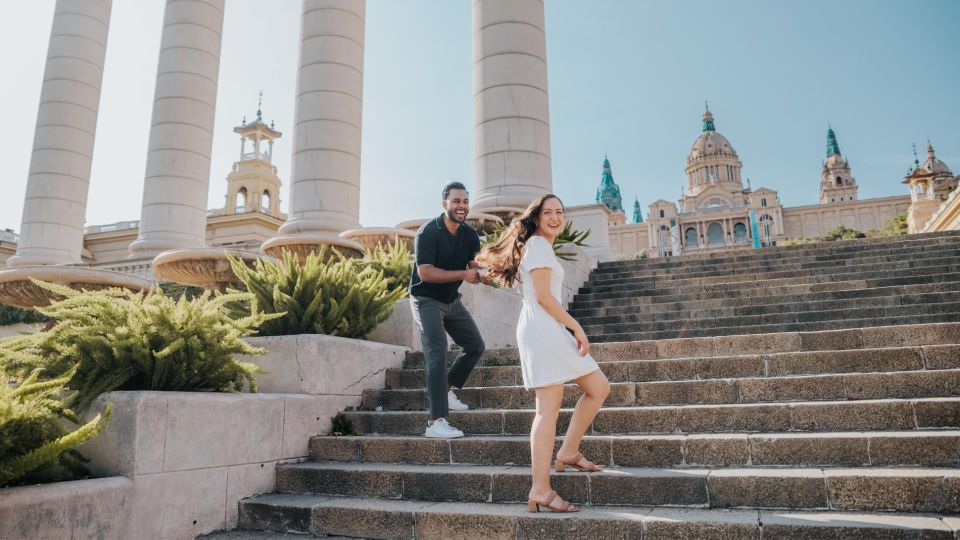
{"x": 775, "y": 429}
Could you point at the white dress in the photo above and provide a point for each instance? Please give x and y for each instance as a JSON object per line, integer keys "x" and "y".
{"x": 548, "y": 352}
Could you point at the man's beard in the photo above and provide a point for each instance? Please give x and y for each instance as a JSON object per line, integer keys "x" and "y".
{"x": 451, "y": 214}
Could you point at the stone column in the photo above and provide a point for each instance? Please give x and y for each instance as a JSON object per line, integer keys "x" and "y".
{"x": 510, "y": 107}
{"x": 174, "y": 212}
{"x": 325, "y": 174}
{"x": 51, "y": 231}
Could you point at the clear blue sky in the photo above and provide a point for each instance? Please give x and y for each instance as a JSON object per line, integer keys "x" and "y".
{"x": 628, "y": 77}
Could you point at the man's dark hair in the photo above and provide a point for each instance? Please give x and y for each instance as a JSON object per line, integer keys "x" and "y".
{"x": 450, "y": 186}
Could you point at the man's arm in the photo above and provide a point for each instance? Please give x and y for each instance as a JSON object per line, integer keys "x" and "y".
{"x": 431, "y": 274}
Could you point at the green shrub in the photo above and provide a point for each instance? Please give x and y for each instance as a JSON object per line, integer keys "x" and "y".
{"x": 322, "y": 295}
{"x": 842, "y": 233}
{"x": 176, "y": 290}
{"x": 13, "y": 315}
{"x": 121, "y": 340}
{"x": 341, "y": 425}
{"x": 35, "y": 444}
{"x": 395, "y": 261}
{"x": 895, "y": 227}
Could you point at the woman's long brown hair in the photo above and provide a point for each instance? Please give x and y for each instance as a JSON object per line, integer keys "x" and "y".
{"x": 503, "y": 258}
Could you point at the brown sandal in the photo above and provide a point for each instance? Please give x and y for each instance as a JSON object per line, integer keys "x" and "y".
{"x": 560, "y": 465}
{"x": 534, "y": 505}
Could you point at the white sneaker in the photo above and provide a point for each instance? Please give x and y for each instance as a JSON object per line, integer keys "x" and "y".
{"x": 454, "y": 403}
{"x": 440, "y": 429}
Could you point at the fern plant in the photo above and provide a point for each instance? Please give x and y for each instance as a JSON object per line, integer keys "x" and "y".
{"x": 34, "y": 439}
{"x": 321, "y": 295}
{"x": 394, "y": 260}
{"x": 116, "y": 339}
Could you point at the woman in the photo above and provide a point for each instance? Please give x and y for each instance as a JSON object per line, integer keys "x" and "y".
{"x": 549, "y": 355}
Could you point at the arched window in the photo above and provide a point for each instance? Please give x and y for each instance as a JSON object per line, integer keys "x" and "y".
{"x": 241, "y": 200}
{"x": 265, "y": 201}
{"x": 714, "y": 234}
{"x": 739, "y": 232}
{"x": 839, "y": 181}
{"x": 662, "y": 214}
{"x": 691, "y": 237}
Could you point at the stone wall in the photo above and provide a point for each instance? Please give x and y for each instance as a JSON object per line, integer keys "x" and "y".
{"x": 184, "y": 459}
{"x": 817, "y": 220}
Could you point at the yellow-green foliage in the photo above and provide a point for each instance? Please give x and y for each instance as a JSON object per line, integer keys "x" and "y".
{"x": 33, "y": 435}
{"x": 395, "y": 261}
{"x": 895, "y": 227}
{"x": 121, "y": 340}
{"x": 324, "y": 294}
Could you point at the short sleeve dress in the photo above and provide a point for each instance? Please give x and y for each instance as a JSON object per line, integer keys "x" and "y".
{"x": 548, "y": 352}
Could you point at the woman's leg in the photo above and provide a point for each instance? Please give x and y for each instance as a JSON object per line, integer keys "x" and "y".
{"x": 543, "y": 434}
{"x": 595, "y": 390}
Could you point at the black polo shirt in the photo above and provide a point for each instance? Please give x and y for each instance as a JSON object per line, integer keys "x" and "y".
{"x": 434, "y": 245}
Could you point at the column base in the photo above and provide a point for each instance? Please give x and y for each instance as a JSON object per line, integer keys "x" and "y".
{"x": 303, "y": 245}
{"x": 207, "y": 268}
{"x": 17, "y": 289}
{"x": 369, "y": 237}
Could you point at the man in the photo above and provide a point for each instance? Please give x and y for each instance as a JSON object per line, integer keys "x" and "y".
{"x": 444, "y": 251}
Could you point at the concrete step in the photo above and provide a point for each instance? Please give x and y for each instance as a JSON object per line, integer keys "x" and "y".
{"x": 763, "y": 287}
{"x": 906, "y": 294}
{"x": 850, "y": 386}
{"x": 824, "y": 250}
{"x": 379, "y": 518}
{"x": 918, "y": 448}
{"x": 850, "y": 288}
{"x": 773, "y": 272}
{"x": 735, "y": 345}
{"x": 850, "y": 489}
{"x": 931, "y": 357}
{"x": 766, "y": 308}
{"x": 796, "y": 317}
{"x": 810, "y": 262}
{"x": 818, "y": 416}
{"x": 689, "y": 330}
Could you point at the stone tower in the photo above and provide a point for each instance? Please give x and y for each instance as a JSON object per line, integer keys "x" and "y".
{"x": 609, "y": 192}
{"x": 837, "y": 184}
{"x": 253, "y": 185}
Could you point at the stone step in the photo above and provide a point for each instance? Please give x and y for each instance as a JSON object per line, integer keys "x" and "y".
{"x": 684, "y": 329}
{"x": 780, "y": 254}
{"x": 379, "y": 518}
{"x": 849, "y": 386}
{"x": 794, "y": 317}
{"x": 763, "y": 287}
{"x": 931, "y": 357}
{"x": 850, "y": 489}
{"x": 779, "y": 308}
{"x": 817, "y": 416}
{"x": 721, "y": 346}
{"x": 698, "y": 276}
{"x": 831, "y": 449}
{"x": 906, "y": 294}
{"x": 812, "y": 263}
{"x": 856, "y": 288}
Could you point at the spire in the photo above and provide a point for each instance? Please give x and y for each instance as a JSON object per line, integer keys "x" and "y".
{"x": 708, "y": 118}
{"x": 637, "y": 215}
{"x": 930, "y": 154}
{"x": 833, "y": 149}
{"x": 259, "y": 102}
{"x": 609, "y": 192}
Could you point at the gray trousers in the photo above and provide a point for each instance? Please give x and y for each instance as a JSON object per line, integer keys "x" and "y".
{"x": 436, "y": 319}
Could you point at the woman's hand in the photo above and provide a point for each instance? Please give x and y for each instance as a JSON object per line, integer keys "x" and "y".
{"x": 583, "y": 344}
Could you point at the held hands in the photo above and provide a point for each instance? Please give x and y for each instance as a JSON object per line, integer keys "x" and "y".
{"x": 472, "y": 276}
{"x": 583, "y": 345}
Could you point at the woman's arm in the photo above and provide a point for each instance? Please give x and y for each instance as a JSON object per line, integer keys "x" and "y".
{"x": 541, "y": 286}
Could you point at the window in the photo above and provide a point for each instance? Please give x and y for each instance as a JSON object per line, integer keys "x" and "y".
{"x": 662, "y": 214}
{"x": 739, "y": 232}
{"x": 839, "y": 181}
{"x": 241, "y": 200}
{"x": 763, "y": 202}
{"x": 265, "y": 201}
{"x": 691, "y": 237}
{"x": 714, "y": 234}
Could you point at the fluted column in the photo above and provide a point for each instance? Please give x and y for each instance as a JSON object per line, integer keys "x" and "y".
{"x": 174, "y": 212}
{"x": 510, "y": 107}
{"x": 51, "y": 231}
{"x": 325, "y": 174}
